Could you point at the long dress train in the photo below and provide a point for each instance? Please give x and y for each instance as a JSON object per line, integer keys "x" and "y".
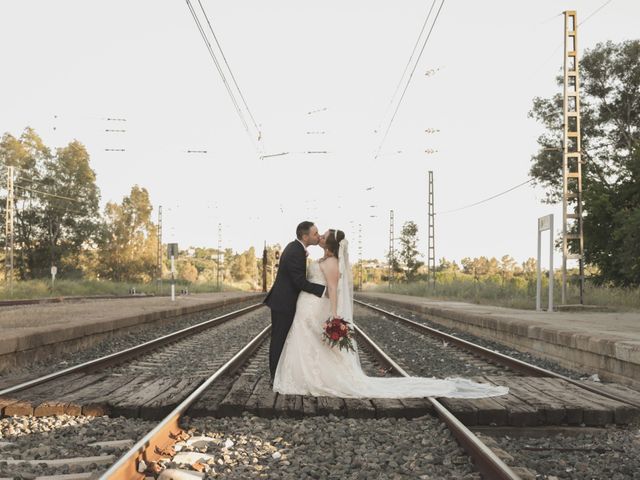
{"x": 308, "y": 366}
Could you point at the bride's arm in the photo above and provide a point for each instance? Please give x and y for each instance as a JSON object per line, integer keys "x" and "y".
{"x": 331, "y": 273}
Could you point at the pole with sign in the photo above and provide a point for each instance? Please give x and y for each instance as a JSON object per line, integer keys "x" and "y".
{"x": 173, "y": 252}
{"x": 545, "y": 223}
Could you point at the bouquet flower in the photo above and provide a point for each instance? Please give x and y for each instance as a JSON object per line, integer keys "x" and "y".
{"x": 337, "y": 332}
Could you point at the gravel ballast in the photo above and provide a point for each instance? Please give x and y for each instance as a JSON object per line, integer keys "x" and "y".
{"x": 498, "y": 347}
{"x": 327, "y": 448}
{"x": 419, "y": 354}
{"x": 64, "y": 437}
{"x": 609, "y": 453}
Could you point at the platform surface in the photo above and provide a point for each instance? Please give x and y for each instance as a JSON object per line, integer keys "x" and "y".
{"x": 25, "y": 327}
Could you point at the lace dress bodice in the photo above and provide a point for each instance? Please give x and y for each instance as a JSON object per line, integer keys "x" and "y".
{"x": 314, "y": 273}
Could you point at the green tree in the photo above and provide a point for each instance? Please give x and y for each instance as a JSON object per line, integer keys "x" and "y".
{"x": 610, "y": 114}
{"x": 57, "y": 216}
{"x": 187, "y": 271}
{"x": 507, "y": 268}
{"x": 128, "y": 246}
{"x": 409, "y": 250}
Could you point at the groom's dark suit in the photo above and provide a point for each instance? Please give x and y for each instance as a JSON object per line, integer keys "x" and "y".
{"x": 283, "y": 296}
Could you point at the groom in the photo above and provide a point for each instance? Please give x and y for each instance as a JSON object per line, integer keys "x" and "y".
{"x": 290, "y": 281}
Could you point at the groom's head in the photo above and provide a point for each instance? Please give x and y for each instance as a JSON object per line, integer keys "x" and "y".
{"x": 307, "y": 233}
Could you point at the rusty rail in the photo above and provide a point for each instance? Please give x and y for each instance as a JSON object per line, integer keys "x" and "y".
{"x": 496, "y": 357}
{"x": 149, "y": 448}
{"x": 487, "y": 463}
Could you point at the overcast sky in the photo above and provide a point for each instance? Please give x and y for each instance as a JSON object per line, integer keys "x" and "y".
{"x": 70, "y": 65}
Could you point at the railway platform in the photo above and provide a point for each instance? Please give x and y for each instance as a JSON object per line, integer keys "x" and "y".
{"x": 603, "y": 343}
{"x": 35, "y": 332}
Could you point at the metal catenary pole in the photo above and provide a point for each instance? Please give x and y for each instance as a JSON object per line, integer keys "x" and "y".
{"x": 391, "y": 248}
{"x": 219, "y": 261}
{"x": 159, "y": 259}
{"x": 360, "y": 257}
{"x": 571, "y": 157}
{"x": 9, "y": 232}
{"x": 431, "y": 249}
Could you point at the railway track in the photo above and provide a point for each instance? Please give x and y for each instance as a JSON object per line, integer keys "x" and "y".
{"x": 161, "y": 448}
{"x": 238, "y": 386}
{"x": 588, "y": 429}
{"x": 496, "y": 358}
{"x": 141, "y": 383}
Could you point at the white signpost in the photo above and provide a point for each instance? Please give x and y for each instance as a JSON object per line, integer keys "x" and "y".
{"x": 545, "y": 223}
{"x": 173, "y": 252}
{"x": 54, "y": 270}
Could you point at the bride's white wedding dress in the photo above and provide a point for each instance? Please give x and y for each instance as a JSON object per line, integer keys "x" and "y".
{"x": 308, "y": 366}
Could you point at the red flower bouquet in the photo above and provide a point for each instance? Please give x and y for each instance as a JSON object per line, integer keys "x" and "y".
{"x": 338, "y": 333}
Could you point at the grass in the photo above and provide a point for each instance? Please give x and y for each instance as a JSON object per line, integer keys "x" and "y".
{"x": 32, "y": 289}
{"x": 517, "y": 293}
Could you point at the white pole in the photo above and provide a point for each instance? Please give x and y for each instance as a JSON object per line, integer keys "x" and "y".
{"x": 539, "y": 273}
{"x": 550, "y": 263}
{"x": 173, "y": 281}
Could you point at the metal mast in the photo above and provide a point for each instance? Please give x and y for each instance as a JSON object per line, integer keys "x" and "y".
{"x": 431, "y": 248}
{"x": 391, "y": 247}
{"x": 9, "y": 232}
{"x": 360, "y": 257}
{"x": 572, "y": 228}
{"x": 219, "y": 261}
{"x": 159, "y": 258}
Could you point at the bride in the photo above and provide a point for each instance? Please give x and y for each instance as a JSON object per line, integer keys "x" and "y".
{"x": 308, "y": 366}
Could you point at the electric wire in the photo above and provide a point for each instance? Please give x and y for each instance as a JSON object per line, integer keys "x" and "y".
{"x": 220, "y": 72}
{"x": 48, "y": 194}
{"x": 595, "y": 11}
{"x": 404, "y": 91}
{"x": 217, "y": 64}
{"x": 486, "y": 199}
{"x": 406, "y": 67}
{"x": 224, "y": 58}
{"x": 559, "y": 46}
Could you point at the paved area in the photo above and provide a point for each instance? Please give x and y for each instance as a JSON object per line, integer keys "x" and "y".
{"x": 597, "y": 342}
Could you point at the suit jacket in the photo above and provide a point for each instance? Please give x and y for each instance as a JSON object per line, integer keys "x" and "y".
{"x": 291, "y": 280}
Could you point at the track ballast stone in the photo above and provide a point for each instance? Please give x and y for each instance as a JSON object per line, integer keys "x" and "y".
{"x": 329, "y": 448}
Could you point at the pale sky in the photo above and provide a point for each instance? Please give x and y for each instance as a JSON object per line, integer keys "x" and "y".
{"x": 72, "y": 64}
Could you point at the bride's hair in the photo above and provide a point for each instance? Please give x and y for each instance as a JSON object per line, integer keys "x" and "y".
{"x": 333, "y": 241}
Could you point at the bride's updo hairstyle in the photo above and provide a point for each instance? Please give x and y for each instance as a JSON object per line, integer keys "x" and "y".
{"x": 333, "y": 241}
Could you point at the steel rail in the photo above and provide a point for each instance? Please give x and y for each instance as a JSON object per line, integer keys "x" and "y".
{"x": 150, "y": 447}
{"x": 496, "y": 357}
{"x": 123, "y": 355}
{"x": 487, "y": 462}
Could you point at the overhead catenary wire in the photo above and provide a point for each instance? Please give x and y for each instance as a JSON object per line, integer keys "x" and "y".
{"x": 595, "y": 12}
{"x": 62, "y": 197}
{"x": 404, "y": 91}
{"x": 224, "y": 58}
{"x": 559, "y": 45}
{"x": 406, "y": 67}
{"x": 221, "y": 72}
{"x": 486, "y": 199}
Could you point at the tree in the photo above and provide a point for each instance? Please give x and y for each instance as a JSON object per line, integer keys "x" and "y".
{"x": 70, "y": 226}
{"x": 409, "y": 251}
{"x": 129, "y": 243}
{"x": 507, "y": 267}
{"x": 610, "y": 114}
{"x": 57, "y": 214}
{"x": 187, "y": 271}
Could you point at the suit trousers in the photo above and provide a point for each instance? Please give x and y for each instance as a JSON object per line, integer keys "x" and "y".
{"x": 280, "y": 324}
